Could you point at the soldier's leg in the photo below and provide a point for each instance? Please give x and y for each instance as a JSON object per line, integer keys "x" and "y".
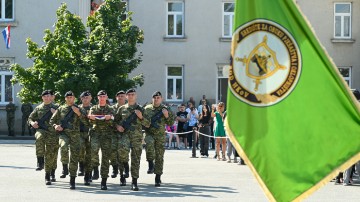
{"x": 54, "y": 142}
{"x": 50, "y": 149}
{"x": 150, "y": 152}
{"x": 87, "y": 161}
{"x": 95, "y": 141}
{"x": 114, "y": 154}
{"x": 74, "y": 141}
{"x": 123, "y": 154}
{"x": 39, "y": 150}
{"x": 64, "y": 153}
{"x": 159, "y": 154}
{"x": 82, "y": 153}
{"x": 105, "y": 144}
{"x": 136, "y": 149}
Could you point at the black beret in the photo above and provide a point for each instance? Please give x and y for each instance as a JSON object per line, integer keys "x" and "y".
{"x": 102, "y": 92}
{"x": 51, "y": 92}
{"x": 45, "y": 92}
{"x": 156, "y": 93}
{"x": 131, "y": 90}
{"x": 69, "y": 93}
{"x": 120, "y": 92}
{"x": 85, "y": 93}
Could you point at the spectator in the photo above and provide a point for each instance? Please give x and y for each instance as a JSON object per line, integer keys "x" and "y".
{"x": 172, "y": 130}
{"x": 204, "y": 128}
{"x": 181, "y": 118}
{"x": 192, "y": 101}
{"x": 192, "y": 118}
{"x": 204, "y": 99}
{"x": 219, "y": 130}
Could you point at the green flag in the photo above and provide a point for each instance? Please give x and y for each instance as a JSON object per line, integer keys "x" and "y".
{"x": 290, "y": 114}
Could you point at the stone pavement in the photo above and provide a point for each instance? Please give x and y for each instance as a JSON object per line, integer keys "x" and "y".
{"x": 185, "y": 179}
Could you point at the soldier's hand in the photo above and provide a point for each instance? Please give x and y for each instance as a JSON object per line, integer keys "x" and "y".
{"x": 120, "y": 128}
{"x": 76, "y": 110}
{"x": 58, "y": 128}
{"x": 138, "y": 114}
{"x": 91, "y": 117}
{"x": 35, "y": 124}
{"x": 52, "y": 110}
{"x": 108, "y": 117}
{"x": 165, "y": 112}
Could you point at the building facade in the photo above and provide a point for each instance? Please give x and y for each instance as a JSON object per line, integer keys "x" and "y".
{"x": 186, "y": 51}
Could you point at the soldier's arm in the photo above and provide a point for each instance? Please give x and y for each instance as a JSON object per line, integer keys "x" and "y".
{"x": 55, "y": 118}
{"x": 147, "y": 118}
{"x": 170, "y": 120}
{"x": 33, "y": 116}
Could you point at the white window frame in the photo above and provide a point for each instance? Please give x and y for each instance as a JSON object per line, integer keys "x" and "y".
{"x": 342, "y": 15}
{"x": 175, "y": 78}
{"x": 346, "y": 78}
{"x": 175, "y": 14}
{"x": 4, "y": 71}
{"x": 231, "y": 23}
{"x": 2, "y": 16}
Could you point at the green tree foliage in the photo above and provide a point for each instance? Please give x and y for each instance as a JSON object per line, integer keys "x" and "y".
{"x": 73, "y": 59}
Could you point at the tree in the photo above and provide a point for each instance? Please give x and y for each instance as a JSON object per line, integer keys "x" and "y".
{"x": 73, "y": 60}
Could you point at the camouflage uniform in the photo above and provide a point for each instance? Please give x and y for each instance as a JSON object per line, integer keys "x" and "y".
{"x": 26, "y": 110}
{"x": 131, "y": 138}
{"x": 46, "y": 142}
{"x": 70, "y": 134}
{"x": 101, "y": 134}
{"x": 155, "y": 136}
{"x": 85, "y": 146}
{"x": 10, "y": 118}
{"x": 114, "y": 159}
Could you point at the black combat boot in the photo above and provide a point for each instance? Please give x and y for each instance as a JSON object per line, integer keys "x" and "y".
{"x": 115, "y": 171}
{"x": 40, "y": 163}
{"x": 47, "y": 179}
{"x": 81, "y": 169}
{"x": 96, "y": 173}
{"x": 157, "y": 180}
{"x": 151, "y": 167}
{"x": 134, "y": 185}
{"x": 87, "y": 179}
{"x": 65, "y": 171}
{"x": 126, "y": 168}
{"x": 103, "y": 184}
{"x": 122, "y": 180}
{"x": 72, "y": 182}
{"x": 52, "y": 175}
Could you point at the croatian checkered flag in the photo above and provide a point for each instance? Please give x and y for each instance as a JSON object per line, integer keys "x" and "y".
{"x": 6, "y": 34}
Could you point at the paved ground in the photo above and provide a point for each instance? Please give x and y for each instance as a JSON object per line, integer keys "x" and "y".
{"x": 185, "y": 179}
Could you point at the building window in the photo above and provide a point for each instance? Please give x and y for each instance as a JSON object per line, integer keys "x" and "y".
{"x": 228, "y": 19}
{"x": 346, "y": 73}
{"x": 175, "y": 19}
{"x": 342, "y": 20}
{"x": 6, "y": 10}
{"x": 174, "y": 83}
{"x": 6, "y": 88}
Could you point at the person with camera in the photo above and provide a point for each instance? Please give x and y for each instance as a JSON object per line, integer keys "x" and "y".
{"x": 192, "y": 118}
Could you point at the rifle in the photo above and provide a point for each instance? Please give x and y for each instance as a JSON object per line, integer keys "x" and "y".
{"x": 156, "y": 118}
{"x": 126, "y": 124}
{"x": 45, "y": 117}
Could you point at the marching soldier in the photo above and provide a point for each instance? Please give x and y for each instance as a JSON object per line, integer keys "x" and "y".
{"x": 26, "y": 110}
{"x": 85, "y": 167}
{"x": 46, "y": 140}
{"x": 121, "y": 99}
{"x": 66, "y": 122}
{"x": 101, "y": 117}
{"x": 10, "y": 116}
{"x": 129, "y": 120}
{"x": 159, "y": 114}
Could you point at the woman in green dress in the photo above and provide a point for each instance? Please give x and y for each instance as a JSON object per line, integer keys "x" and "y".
{"x": 219, "y": 132}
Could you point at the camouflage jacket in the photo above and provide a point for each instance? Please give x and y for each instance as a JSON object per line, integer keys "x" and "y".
{"x": 39, "y": 112}
{"x": 85, "y": 124}
{"x": 26, "y": 109}
{"x": 157, "y": 119}
{"x": 10, "y": 110}
{"x": 122, "y": 118}
{"x": 101, "y": 124}
{"x": 73, "y": 122}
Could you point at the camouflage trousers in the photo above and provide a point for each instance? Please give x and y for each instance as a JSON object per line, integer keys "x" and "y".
{"x": 40, "y": 143}
{"x": 24, "y": 125}
{"x": 85, "y": 151}
{"x": 51, "y": 148}
{"x": 114, "y": 147}
{"x": 133, "y": 142}
{"x": 71, "y": 138}
{"x": 101, "y": 139}
{"x": 155, "y": 151}
{"x": 64, "y": 148}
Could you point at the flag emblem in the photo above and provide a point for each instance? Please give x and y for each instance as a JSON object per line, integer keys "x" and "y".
{"x": 266, "y": 65}
{"x": 6, "y": 34}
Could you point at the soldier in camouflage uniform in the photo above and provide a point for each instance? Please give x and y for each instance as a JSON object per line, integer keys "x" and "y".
{"x": 129, "y": 121}
{"x": 46, "y": 139}
{"x": 121, "y": 99}
{"x": 26, "y": 110}
{"x": 159, "y": 115}
{"x": 10, "y": 116}
{"x": 101, "y": 117}
{"x": 85, "y": 146}
{"x": 66, "y": 122}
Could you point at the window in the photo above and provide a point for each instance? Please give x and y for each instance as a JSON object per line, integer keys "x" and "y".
{"x": 6, "y": 10}
{"x": 228, "y": 19}
{"x": 6, "y": 88}
{"x": 342, "y": 20}
{"x": 175, "y": 19}
{"x": 174, "y": 83}
{"x": 346, "y": 73}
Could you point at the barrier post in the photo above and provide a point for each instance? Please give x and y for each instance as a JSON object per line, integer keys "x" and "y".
{"x": 194, "y": 143}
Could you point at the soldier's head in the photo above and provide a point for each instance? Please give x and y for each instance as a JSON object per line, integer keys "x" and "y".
{"x": 121, "y": 97}
{"x": 46, "y": 97}
{"x": 102, "y": 97}
{"x": 156, "y": 98}
{"x": 69, "y": 98}
{"x": 52, "y": 93}
{"x": 85, "y": 98}
{"x": 131, "y": 96}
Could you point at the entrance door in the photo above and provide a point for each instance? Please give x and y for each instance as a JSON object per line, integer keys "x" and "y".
{"x": 222, "y": 83}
